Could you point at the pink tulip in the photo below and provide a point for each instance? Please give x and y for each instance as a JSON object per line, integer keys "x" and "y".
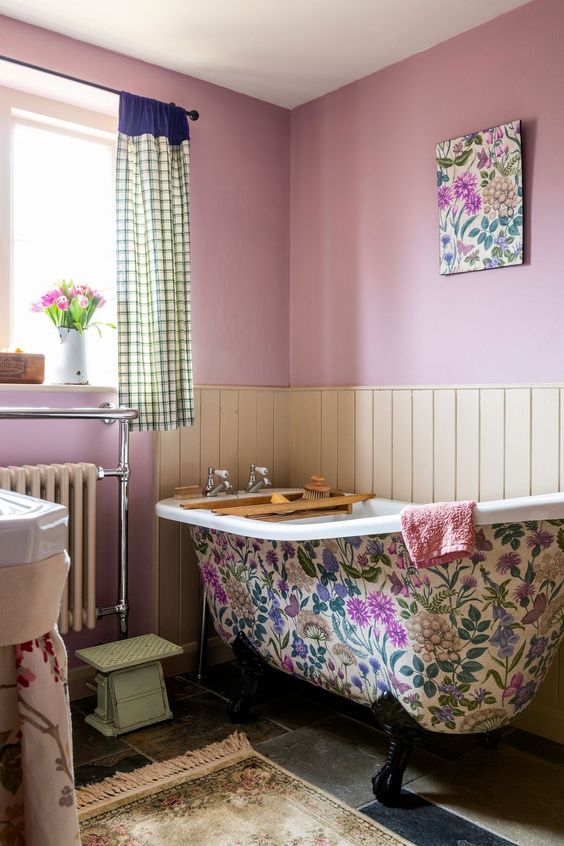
{"x": 62, "y": 303}
{"x": 82, "y": 301}
{"x": 50, "y": 297}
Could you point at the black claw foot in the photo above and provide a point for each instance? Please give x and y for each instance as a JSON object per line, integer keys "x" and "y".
{"x": 387, "y": 782}
{"x": 239, "y": 708}
{"x": 403, "y": 732}
{"x": 490, "y": 739}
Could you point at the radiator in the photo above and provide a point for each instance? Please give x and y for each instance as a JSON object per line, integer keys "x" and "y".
{"x": 73, "y": 485}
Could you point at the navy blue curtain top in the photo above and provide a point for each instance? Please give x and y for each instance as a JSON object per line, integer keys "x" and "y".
{"x": 142, "y": 116}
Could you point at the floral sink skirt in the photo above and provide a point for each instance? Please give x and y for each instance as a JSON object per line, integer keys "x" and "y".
{"x": 37, "y": 801}
{"x": 464, "y": 647}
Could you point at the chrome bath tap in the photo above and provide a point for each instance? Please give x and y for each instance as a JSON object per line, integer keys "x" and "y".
{"x": 225, "y": 486}
{"x": 252, "y": 485}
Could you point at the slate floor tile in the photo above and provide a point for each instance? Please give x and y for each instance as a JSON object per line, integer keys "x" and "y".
{"x": 89, "y": 744}
{"x": 510, "y": 792}
{"x": 535, "y": 745}
{"x": 226, "y": 680}
{"x": 293, "y": 711}
{"x": 121, "y": 762}
{"x": 340, "y": 756}
{"x": 424, "y": 824}
{"x": 198, "y": 720}
{"x": 181, "y": 686}
{"x": 85, "y": 706}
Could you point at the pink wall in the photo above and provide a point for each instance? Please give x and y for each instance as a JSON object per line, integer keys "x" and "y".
{"x": 240, "y": 295}
{"x": 240, "y": 182}
{"x": 368, "y": 305}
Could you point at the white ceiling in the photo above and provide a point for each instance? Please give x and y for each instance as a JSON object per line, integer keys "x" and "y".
{"x": 54, "y": 88}
{"x": 283, "y": 51}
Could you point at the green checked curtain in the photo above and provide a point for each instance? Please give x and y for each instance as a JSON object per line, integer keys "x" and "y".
{"x": 153, "y": 263}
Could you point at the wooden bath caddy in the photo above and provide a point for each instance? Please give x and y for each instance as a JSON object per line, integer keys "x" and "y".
{"x": 277, "y": 511}
{"x": 217, "y": 504}
{"x": 261, "y": 508}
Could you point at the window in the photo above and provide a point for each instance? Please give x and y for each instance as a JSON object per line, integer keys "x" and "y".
{"x": 59, "y": 162}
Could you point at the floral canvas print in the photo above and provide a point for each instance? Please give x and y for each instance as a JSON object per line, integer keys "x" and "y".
{"x": 480, "y": 195}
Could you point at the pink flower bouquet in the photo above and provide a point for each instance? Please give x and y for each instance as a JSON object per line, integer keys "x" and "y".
{"x": 71, "y": 306}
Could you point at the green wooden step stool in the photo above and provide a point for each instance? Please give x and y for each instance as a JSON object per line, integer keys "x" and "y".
{"x": 129, "y": 683}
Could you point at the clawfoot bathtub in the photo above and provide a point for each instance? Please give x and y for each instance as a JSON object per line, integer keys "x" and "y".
{"x": 458, "y": 648}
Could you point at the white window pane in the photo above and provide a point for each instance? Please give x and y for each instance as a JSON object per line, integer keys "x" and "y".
{"x": 63, "y": 228}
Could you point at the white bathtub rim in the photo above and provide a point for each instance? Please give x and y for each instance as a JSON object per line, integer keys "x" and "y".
{"x": 539, "y": 507}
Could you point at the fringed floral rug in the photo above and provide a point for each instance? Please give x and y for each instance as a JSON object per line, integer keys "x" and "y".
{"x": 223, "y": 795}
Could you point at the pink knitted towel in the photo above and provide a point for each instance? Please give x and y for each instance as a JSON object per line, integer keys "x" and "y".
{"x": 438, "y": 533}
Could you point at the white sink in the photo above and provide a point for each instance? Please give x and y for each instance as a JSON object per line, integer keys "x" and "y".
{"x": 30, "y": 529}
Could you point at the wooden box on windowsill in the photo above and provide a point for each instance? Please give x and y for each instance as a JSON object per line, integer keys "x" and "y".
{"x": 22, "y": 368}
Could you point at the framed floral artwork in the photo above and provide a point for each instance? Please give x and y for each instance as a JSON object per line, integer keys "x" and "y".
{"x": 480, "y": 196}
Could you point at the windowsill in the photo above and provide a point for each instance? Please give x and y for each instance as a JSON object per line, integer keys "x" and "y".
{"x": 56, "y": 389}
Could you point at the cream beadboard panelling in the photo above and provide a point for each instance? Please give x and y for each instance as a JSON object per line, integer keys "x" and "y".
{"x": 418, "y": 444}
{"x": 235, "y": 426}
{"x": 427, "y": 444}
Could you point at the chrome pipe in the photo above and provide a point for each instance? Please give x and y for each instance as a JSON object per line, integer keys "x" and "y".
{"x": 123, "y": 472}
{"x": 17, "y": 413}
{"x": 109, "y": 609}
{"x": 123, "y": 507}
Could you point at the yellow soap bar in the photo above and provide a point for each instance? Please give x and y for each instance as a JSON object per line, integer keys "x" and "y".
{"x": 278, "y": 498}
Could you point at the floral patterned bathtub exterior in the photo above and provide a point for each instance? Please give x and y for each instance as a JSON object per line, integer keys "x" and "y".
{"x": 464, "y": 647}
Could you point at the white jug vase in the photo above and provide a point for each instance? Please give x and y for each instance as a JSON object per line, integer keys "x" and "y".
{"x": 72, "y": 368}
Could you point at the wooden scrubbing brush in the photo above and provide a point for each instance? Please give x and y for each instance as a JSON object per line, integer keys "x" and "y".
{"x": 316, "y": 488}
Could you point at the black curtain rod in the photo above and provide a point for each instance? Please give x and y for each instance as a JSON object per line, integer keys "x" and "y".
{"x": 192, "y": 113}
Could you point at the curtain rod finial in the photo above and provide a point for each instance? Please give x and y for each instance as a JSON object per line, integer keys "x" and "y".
{"x": 193, "y": 114}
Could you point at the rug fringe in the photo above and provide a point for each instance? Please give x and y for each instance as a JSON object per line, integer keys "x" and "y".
{"x": 120, "y": 783}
